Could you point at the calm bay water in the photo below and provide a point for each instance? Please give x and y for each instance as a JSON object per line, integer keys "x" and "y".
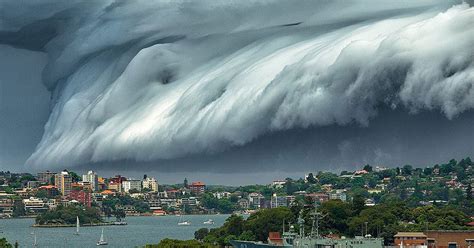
{"x": 138, "y": 232}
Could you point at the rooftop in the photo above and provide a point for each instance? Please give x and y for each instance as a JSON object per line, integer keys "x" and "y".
{"x": 410, "y": 235}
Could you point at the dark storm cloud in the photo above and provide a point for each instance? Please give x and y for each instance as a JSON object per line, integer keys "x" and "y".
{"x": 24, "y": 105}
{"x": 231, "y": 85}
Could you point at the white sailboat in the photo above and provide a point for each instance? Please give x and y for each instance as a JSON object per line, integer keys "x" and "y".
{"x": 35, "y": 244}
{"x": 185, "y": 222}
{"x": 77, "y": 225}
{"x": 102, "y": 240}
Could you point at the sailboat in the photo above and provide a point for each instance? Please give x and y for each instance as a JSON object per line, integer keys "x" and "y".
{"x": 102, "y": 240}
{"x": 35, "y": 244}
{"x": 185, "y": 222}
{"x": 77, "y": 225}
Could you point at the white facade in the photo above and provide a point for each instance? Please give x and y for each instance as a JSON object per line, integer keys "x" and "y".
{"x": 131, "y": 184}
{"x": 150, "y": 183}
{"x": 34, "y": 204}
{"x": 93, "y": 179}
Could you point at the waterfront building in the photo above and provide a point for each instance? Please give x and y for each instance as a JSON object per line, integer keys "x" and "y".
{"x": 83, "y": 197}
{"x": 191, "y": 201}
{"x": 150, "y": 183}
{"x": 154, "y": 204}
{"x": 197, "y": 187}
{"x": 46, "y": 177}
{"x": 436, "y": 239}
{"x": 6, "y": 207}
{"x": 34, "y": 205}
{"x": 411, "y": 239}
{"x": 92, "y": 178}
{"x": 130, "y": 184}
{"x": 169, "y": 203}
{"x": 63, "y": 182}
{"x": 159, "y": 212}
{"x": 450, "y": 239}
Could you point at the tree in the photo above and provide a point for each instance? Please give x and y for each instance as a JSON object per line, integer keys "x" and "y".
{"x": 338, "y": 214}
{"x": 311, "y": 179}
{"x": 119, "y": 214}
{"x": 469, "y": 192}
{"x": 368, "y": 168}
{"x": 428, "y": 171}
{"x": 4, "y": 243}
{"x": 407, "y": 170}
{"x": 18, "y": 208}
{"x": 268, "y": 220}
{"x": 201, "y": 233}
{"x": 74, "y": 177}
{"x": 358, "y": 204}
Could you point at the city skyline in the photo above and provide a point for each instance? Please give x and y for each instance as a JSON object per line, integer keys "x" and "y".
{"x": 263, "y": 90}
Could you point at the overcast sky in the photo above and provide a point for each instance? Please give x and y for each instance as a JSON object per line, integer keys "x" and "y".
{"x": 232, "y": 92}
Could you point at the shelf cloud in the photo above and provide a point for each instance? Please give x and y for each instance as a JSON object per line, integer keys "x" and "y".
{"x": 152, "y": 81}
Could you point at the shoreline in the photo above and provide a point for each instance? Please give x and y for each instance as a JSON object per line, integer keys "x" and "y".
{"x": 74, "y": 225}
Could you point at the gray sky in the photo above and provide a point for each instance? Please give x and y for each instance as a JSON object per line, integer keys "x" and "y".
{"x": 24, "y": 105}
{"x": 232, "y": 92}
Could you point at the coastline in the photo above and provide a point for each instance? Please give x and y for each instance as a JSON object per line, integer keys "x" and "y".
{"x": 73, "y": 225}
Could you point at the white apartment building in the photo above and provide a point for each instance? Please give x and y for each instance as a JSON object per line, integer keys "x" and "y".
{"x": 150, "y": 183}
{"x": 92, "y": 178}
{"x": 131, "y": 184}
{"x": 34, "y": 205}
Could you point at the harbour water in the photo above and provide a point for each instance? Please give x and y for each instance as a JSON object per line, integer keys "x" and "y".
{"x": 138, "y": 232}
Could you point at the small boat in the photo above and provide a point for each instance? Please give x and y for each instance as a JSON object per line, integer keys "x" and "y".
{"x": 209, "y": 222}
{"x": 185, "y": 222}
{"x": 77, "y": 225}
{"x": 102, "y": 240}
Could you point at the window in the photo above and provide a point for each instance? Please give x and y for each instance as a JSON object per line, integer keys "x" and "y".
{"x": 452, "y": 245}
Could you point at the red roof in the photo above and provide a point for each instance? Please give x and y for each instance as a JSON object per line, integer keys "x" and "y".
{"x": 48, "y": 187}
{"x": 470, "y": 223}
{"x": 198, "y": 184}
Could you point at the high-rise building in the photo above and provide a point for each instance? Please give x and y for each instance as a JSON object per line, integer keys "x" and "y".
{"x": 46, "y": 177}
{"x": 197, "y": 187}
{"x": 63, "y": 182}
{"x": 150, "y": 183}
{"x": 92, "y": 178}
{"x": 131, "y": 184}
{"x": 84, "y": 197}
